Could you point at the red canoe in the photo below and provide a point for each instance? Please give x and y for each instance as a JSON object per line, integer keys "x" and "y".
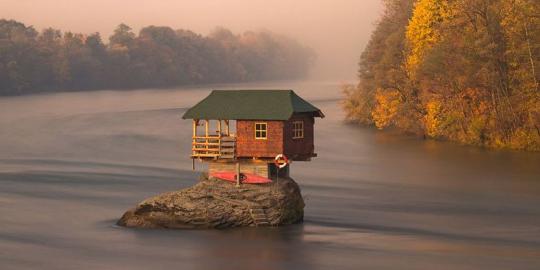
{"x": 246, "y": 178}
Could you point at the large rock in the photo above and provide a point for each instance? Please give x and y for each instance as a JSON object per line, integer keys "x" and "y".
{"x": 214, "y": 203}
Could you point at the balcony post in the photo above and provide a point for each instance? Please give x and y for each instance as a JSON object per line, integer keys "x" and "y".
{"x": 238, "y": 173}
{"x": 206, "y": 124}
{"x": 193, "y": 141}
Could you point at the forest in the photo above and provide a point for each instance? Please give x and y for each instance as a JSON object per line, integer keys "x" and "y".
{"x": 50, "y": 60}
{"x": 459, "y": 70}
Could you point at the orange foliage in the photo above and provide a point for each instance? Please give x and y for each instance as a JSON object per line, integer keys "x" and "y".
{"x": 386, "y": 107}
{"x": 466, "y": 71}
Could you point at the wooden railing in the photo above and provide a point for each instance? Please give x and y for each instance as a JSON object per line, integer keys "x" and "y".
{"x": 213, "y": 147}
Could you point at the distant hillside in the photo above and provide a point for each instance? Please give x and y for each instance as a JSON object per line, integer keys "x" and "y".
{"x": 48, "y": 61}
{"x": 461, "y": 70}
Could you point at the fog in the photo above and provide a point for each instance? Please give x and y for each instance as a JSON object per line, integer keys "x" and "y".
{"x": 337, "y": 29}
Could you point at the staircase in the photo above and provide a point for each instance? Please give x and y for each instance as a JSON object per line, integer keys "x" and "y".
{"x": 256, "y": 211}
{"x": 227, "y": 147}
{"x": 258, "y": 215}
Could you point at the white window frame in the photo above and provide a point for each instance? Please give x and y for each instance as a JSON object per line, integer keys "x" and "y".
{"x": 261, "y": 130}
{"x": 298, "y": 129}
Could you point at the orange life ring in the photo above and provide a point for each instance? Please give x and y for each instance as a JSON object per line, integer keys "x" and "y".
{"x": 281, "y": 161}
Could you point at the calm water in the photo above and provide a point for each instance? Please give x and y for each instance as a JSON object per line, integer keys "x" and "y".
{"x": 72, "y": 163}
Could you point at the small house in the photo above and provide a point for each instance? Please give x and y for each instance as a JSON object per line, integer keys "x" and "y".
{"x": 250, "y": 128}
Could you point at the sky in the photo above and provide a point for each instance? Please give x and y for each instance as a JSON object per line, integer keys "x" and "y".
{"x": 337, "y": 29}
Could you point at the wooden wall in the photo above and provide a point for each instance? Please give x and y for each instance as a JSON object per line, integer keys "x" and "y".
{"x": 259, "y": 168}
{"x": 263, "y": 169}
{"x": 248, "y": 146}
{"x": 279, "y": 139}
{"x": 302, "y": 146}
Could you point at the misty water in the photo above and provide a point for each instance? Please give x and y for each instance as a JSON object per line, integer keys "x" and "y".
{"x": 72, "y": 163}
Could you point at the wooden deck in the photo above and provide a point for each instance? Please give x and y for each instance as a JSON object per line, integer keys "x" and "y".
{"x": 216, "y": 147}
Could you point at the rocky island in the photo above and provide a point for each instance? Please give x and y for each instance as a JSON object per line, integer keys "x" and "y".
{"x": 250, "y": 136}
{"x": 217, "y": 204}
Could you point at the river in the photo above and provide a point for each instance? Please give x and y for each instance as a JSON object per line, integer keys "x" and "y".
{"x": 72, "y": 163}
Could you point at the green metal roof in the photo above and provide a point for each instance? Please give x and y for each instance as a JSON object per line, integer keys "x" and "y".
{"x": 251, "y": 105}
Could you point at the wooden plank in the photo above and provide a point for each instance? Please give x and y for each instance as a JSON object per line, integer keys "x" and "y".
{"x": 204, "y": 147}
{"x": 237, "y": 174}
{"x": 210, "y": 154}
{"x": 219, "y": 133}
{"x": 228, "y": 139}
{"x": 205, "y": 150}
{"x": 204, "y": 155}
{"x": 206, "y": 137}
{"x": 205, "y": 143}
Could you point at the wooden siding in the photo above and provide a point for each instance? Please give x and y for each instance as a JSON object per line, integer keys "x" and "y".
{"x": 263, "y": 169}
{"x": 259, "y": 168}
{"x": 248, "y": 146}
{"x": 301, "y": 147}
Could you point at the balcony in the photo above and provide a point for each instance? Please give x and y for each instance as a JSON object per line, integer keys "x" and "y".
{"x": 216, "y": 147}
{"x": 219, "y": 145}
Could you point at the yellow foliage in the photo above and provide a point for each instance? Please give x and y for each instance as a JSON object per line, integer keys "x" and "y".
{"x": 356, "y": 104}
{"x": 421, "y": 32}
{"x": 450, "y": 74}
{"x": 474, "y": 117}
{"x": 520, "y": 27}
{"x": 386, "y": 107}
{"x": 432, "y": 118}
{"x": 524, "y": 139}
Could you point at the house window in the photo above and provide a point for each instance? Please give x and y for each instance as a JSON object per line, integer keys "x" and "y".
{"x": 298, "y": 129}
{"x": 260, "y": 131}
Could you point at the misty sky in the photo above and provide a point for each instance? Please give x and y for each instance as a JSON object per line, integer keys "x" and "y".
{"x": 336, "y": 29}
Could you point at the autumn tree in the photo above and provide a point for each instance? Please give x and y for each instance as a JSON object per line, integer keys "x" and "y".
{"x": 468, "y": 74}
{"x": 380, "y": 66}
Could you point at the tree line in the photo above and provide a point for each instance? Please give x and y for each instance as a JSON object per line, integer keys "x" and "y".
{"x": 460, "y": 70}
{"x": 50, "y": 60}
